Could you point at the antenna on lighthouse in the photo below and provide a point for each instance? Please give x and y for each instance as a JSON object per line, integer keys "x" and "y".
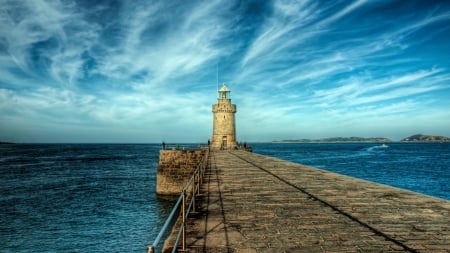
{"x": 217, "y": 76}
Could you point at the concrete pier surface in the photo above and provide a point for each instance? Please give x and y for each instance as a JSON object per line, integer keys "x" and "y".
{"x": 255, "y": 203}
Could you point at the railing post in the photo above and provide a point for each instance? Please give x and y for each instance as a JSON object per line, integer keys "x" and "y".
{"x": 194, "y": 189}
{"x": 202, "y": 168}
{"x": 203, "y": 173}
{"x": 184, "y": 222}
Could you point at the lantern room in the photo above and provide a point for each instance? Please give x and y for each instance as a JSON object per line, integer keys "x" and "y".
{"x": 224, "y": 92}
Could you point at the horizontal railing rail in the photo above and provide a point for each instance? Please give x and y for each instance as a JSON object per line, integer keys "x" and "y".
{"x": 186, "y": 201}
{"x": 182, "y": 146}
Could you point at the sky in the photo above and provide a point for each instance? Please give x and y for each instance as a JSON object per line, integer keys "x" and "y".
{"x": 147, "y": 71}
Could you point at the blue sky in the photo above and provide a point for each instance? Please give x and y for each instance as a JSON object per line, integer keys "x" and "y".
{"x": 146, "y": 71}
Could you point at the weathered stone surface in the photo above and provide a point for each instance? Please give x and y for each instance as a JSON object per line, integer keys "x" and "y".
{"x": 254, "y": 203}
{"x": 175, "y": 167}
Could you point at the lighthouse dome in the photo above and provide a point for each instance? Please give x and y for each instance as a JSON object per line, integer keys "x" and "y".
{"x": 224, "y": 88}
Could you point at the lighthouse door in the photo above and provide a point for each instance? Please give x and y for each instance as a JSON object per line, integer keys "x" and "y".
{"x": 224, "y": 141}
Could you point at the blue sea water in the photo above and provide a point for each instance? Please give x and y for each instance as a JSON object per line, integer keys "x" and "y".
{"x": 101, "y": 197}
{"x": 79, "y": 198}
{"x": 419, "y": 167}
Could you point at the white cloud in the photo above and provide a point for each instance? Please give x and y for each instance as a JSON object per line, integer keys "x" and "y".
{"x": 287, "y": 17}
{"x": 345, "y": 11}
{"x": 364, "y": 91}
{"x": 30, "y": 22}
{"x": 188, "y": 41}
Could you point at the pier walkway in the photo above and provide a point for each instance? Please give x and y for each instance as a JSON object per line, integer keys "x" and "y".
{"x": 254, "y": 203}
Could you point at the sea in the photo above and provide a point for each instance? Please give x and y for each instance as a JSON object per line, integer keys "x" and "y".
{"x": 101, "y": 197}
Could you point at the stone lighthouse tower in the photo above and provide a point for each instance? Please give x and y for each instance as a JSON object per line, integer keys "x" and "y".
{"x": 224, "y": 127}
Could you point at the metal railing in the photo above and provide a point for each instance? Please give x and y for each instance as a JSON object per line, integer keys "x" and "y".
{"x": 185, "y": 146}
{"x": 190, "y": 191}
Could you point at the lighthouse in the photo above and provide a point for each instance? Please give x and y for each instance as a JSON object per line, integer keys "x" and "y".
{"x": 224, "y": 126}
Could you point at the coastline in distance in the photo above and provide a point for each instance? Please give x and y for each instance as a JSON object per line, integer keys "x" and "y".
{"x": 412, "y": 138}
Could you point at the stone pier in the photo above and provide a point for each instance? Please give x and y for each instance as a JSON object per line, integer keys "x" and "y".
{"x": 254, "y": 203}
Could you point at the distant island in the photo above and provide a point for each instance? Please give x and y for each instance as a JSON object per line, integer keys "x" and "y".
{"x": 336, "y": 139}
{"x": 413, "y": 138}
{"x": 426, "y": 138}
{"x": 6, "y": 142}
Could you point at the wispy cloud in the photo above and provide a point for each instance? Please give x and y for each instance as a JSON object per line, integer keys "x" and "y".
{"x": 291, "y": 25}
{"x": 366, "y": 91}
{"x": 46, "y": 38}
{"x": 166, "y": 42}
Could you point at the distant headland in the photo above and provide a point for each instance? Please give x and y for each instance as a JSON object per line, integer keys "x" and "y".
{"x": 6, "y": 142}
{"x": 426, "y": 138}
{"x": 413, "y": 138}
{"x": 337, "y": 139}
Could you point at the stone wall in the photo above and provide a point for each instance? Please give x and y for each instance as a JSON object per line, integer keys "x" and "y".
{"x": 175, "y": 167}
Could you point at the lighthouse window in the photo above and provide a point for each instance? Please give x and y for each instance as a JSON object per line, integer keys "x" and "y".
{"x": 224, "y": 116}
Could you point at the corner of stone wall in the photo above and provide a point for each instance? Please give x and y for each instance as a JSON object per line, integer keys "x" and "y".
{"x": 175, "y": 167}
